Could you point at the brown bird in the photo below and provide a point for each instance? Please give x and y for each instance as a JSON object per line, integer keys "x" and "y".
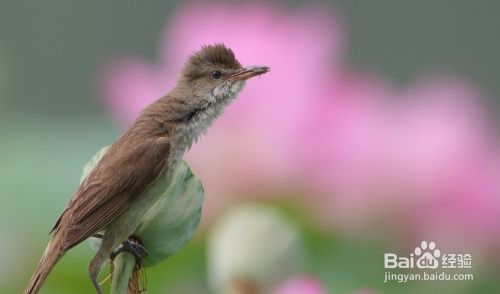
{"x": 111, "y": 200}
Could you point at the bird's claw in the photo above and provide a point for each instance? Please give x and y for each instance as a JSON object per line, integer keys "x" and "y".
{"x": 132, "y": 246}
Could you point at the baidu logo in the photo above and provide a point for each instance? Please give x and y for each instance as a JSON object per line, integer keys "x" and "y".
{"x": 427, "y": 256}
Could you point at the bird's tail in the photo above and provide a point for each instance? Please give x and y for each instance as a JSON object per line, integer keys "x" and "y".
{"x": 50, "y": 257}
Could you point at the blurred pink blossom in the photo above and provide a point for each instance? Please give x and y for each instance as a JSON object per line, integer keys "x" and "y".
{"x": 249, "y": 149}
{"x": 424, "y": 157}
{"x": 301, "y": 285}
{"x": 307, "y": 285}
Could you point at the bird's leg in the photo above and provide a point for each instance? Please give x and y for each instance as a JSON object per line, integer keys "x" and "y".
{"x": 96, "y": 284}
{"x": 107, "y": 245}
{"x": 134, "y": 246}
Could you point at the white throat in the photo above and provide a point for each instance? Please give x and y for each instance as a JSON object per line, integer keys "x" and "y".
{"x": 214, "y": 104}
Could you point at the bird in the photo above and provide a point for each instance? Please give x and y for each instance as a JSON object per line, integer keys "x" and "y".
{"x": 112, "y": 198}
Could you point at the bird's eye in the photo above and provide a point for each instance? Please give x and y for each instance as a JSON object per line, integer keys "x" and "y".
{"x": 216, "y": 75}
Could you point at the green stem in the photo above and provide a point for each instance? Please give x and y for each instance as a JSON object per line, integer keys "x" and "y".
{"x": 124, "y": 264}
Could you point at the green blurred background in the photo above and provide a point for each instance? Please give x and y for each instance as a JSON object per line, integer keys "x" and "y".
{"x": 52, "y": 119}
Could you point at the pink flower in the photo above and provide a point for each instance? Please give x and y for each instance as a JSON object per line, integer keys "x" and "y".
{"x": 301, "y": 285}
{"x": 423, "y": 157}
{"x": 249, "y": 149}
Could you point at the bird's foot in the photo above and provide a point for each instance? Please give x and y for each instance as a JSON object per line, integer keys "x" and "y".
{"x": 93, "y": 274}
{"x": 132, "y": 245}
{"x": 97, "y": 286}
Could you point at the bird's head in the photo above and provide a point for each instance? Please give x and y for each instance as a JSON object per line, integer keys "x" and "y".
{"x": 213, "y": 75}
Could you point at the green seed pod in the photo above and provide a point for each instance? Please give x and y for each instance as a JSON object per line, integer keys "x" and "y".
{"x": 171, "y": 222}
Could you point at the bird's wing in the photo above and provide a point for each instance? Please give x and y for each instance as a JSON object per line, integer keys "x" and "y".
{"x": 117, "y": 180}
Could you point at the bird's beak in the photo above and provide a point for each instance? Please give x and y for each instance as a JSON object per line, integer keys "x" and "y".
{"x": 248, "y": 72}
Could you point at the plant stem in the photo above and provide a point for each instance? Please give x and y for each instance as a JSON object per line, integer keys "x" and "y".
{"x": 124, "y": 264}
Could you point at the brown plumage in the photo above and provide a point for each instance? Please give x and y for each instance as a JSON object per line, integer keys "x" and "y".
{"x": 217, "y": 55}
{"x": 130, "y": 165}
{"x": 111, "y": 198}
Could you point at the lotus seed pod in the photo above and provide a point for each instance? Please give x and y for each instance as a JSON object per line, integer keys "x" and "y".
{"x": 253, "y": 247}
{"x": 172, "y": 221}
